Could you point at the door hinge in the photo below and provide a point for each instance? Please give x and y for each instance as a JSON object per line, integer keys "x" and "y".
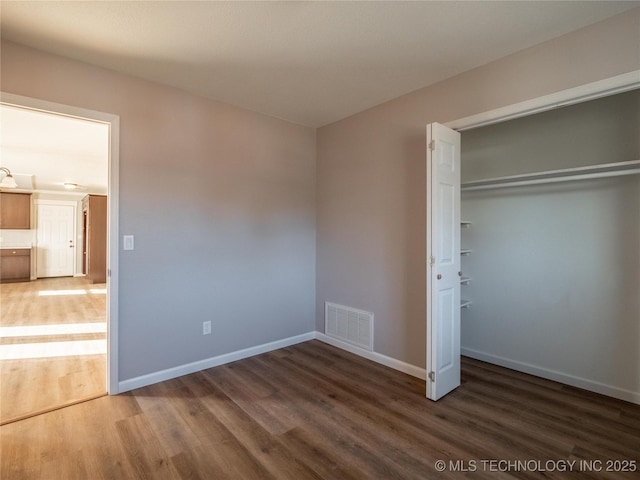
{"x": 432, "y": 376}
{"x": 432, "y": 145}
{"x": 432, "y": 260}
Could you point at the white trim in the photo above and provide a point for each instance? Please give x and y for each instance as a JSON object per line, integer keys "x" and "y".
{"x": 186, "y": 369}
{"x": 590, "y": 91}
{"x": 112, "y": 211}
{"x": 429, "y": 387}
{"x": 399, "y": 365}
{"x": 30, "y": 103}
{"x": 70, "y": 193}
{"x": 113, "y": 249}
{"x": 554, "y": 375}
{"x": 39, "y": 201}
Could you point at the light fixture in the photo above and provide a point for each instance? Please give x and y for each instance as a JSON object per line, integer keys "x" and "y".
{"x": 8, "y": 181}
{"x": 70, "y": 186}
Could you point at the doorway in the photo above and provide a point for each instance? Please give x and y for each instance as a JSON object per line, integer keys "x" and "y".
{"x": 55, "y": 238}
{"x": 93, "y": 331}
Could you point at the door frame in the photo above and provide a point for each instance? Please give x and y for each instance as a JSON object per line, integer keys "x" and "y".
{"x": 67, "y": 203}
{"x": 571, "y": 96}
{"x": 113, "y": 121}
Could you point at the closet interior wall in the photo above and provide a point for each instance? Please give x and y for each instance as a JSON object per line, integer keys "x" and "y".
{"x": 555, "y": 268}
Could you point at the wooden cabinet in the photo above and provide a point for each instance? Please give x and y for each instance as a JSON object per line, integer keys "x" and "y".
{"x": 15, "y": 265}
{"x": 94, "y": 227}
{"x": 15, "y": 211}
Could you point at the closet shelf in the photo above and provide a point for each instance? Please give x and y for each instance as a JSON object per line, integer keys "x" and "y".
{"x": 465, "y": 251}
{"x": 552, "y": 176}
{"x": 465, "y": 280}
{"x": 465, "y": 303}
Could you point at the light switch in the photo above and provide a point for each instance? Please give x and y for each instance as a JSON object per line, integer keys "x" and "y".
{"x": 128, "y": 242}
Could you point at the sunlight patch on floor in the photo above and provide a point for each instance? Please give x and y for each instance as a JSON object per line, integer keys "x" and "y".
{"x": 50, "y": 293}
{"x": 52, "y": 349}
{"x": 59, "y": 329}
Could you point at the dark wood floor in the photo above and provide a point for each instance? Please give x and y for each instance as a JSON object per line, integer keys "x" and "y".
{"x": 312, "y": 411}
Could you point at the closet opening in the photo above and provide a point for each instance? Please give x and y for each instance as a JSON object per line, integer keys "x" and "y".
{"x": 550, "y": 210}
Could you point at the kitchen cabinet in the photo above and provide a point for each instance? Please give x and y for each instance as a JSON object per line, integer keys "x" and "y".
{"x": 15, "y": 265}
{"x": 15, "y": 211}
{"x": 94, "y": 227}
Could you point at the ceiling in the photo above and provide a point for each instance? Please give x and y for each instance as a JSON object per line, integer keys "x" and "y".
{"x": 311, "y": 63}
{"x": 43, "y": 151}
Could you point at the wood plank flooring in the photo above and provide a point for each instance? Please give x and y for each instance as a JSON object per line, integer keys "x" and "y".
{"x": 29, "y": 385}
{"x": 312, "y": 411}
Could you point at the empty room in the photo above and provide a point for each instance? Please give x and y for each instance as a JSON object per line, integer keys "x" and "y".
{"x": 341, "y": 240}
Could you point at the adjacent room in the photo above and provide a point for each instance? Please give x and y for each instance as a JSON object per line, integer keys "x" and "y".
{"x": 337, "y": 240}
{"x": 53, "y": 262}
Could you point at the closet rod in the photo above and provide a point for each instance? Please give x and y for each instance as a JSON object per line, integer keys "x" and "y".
{"x": 553, "y": 176}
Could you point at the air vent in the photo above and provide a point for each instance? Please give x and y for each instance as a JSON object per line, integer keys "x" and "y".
{"x": 349, "y": 325}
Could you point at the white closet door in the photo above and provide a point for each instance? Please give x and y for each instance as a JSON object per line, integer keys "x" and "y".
{"x": 443, "y": 260}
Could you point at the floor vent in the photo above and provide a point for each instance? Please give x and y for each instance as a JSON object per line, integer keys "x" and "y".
{"x": 349, "y": 325}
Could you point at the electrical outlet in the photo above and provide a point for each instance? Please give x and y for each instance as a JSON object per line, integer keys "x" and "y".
{"x": 206, "y": 327}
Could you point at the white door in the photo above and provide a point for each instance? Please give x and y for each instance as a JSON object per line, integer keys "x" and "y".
{"x": 443, "y": 260}
{"x": 55, "y": 240}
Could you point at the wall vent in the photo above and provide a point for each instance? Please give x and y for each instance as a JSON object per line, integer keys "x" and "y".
{"x": 349, "y": 325}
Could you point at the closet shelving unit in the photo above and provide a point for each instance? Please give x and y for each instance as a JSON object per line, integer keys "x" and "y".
{"x": 553, "y": 176}
{"x": 465, "y": 280}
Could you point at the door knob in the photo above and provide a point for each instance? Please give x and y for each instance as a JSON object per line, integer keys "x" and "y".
{"x": 439, "y": 276}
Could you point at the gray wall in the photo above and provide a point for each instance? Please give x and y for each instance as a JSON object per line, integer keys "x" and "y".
{"x": 371, "y": 175}
{"x": 556, "y": 284}
{"x": 605, "y": 130}
{"x": 231, "y": 240}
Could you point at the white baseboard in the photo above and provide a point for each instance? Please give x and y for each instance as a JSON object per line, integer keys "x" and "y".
{"x": 375, "y": 357}
{"x": 151, "y": 378}
{"x": 162, "y": 375}
{"x": 593, "y": 386}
